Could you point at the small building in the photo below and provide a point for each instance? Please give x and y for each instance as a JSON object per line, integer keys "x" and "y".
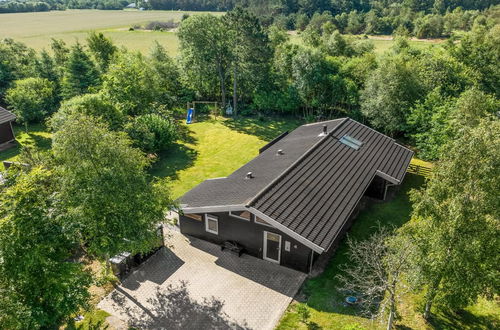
{"x": 296, "y": 199}
{"x": 6, "y": 131}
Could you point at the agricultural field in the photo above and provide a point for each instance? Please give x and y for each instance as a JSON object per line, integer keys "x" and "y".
{"x": 37, "y": 29}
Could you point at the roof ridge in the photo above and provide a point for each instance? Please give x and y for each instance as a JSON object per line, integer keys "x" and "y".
{"x": 295, "y": 163}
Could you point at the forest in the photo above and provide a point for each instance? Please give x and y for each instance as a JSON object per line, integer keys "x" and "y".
{"x": 112, "y": 111}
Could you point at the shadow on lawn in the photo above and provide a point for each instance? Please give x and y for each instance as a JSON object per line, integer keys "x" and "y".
{"x": 177, "y": 157}
{"x": 459, "y": 319}
{"x": 173, "y": 308}
{"x": 266, "y": 129}
{"x": 321, "y": 291}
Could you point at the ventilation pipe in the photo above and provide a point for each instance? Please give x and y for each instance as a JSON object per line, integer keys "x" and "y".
{"x": 280, "y": 152}
{"x": 249, "y": 175}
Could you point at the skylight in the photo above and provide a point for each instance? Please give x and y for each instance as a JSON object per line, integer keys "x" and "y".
{"x": 351, "y": 142}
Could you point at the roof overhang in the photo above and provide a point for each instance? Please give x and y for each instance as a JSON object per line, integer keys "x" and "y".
{"x": 228, "y": 208}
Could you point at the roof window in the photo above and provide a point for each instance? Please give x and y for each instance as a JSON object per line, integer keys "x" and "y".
{"x": 351, "y": 142}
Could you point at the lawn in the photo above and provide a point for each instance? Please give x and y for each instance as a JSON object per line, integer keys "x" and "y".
{"x": 37, "y": 29}
{"x": 37, "y": 136}
{"x": 216, "y": 148}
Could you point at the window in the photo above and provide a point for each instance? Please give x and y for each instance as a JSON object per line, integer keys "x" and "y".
{"x": 193, "y": 216}
{"x": 351, "y": 142}
{"x": 261, "y": 222}
{"x": 245, "y": 215}
{"x": 212, "y": 224}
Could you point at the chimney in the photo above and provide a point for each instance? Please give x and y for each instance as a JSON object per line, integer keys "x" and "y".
{"x": 280, "y": 152}
{"x": 249, "y": 175}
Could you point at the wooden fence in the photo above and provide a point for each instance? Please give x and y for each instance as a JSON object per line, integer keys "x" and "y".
{"x": 420, "y": 170}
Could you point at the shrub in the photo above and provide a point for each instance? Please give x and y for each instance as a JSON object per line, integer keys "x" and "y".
{"x": 152, "y": 132}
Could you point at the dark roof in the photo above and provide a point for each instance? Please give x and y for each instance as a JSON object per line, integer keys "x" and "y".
{"x": 236, "y": 190}
{"x": 6, "y": 116}
{"x": 312, "y": 188}
{"x": 317, "y": 196}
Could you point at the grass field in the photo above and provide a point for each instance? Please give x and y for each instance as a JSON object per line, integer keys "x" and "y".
{"x": 381, "y": 43}
{"x": 37, "y": 29}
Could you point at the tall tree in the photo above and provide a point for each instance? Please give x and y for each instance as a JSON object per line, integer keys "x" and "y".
{"x": 251, "y": 54}
{"x": 206, "y": 56}
{"x": 40, "y": 285}
{"x": 456, "y": 221}
{"x": 80, "y": 73}
{"x": 104, "y": 187}
{"x": 390, "y": 92}
{"x": 102, "y": 48}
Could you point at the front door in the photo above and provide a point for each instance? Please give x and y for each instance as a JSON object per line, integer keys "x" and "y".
{"x": 272, "y": 247}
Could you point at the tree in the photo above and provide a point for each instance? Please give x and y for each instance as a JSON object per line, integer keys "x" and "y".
{"x": 39, "y": 283}
{"x": 133, "y": 85}
{"x": 206, "y": 56}
{"x": 102, "y": 48}
{"x": 374, "y": 273}
{"x": 80, "y": 74}
{"x": 16, "y": 62}
{"x": 390, "y": 92}
{"x": 96, "y": 105}
{"x": 104, "y": 188}
{"x": 455, "y": 222}
{"x": 251, "y": 54}
{"x": 32, "y": 99}
{"x": 168, "y": 76}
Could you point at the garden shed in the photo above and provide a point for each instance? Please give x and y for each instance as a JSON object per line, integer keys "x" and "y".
{"x": 6, "y": 131}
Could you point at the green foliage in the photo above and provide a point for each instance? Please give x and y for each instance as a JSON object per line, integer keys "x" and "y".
{"x": 133, "y": 85}
{"x": 102, "y": 48}
{"x": 304, "y": 313}
{"x": 455, "y": 227}
{"x": 32, "y": 99}
{"x": 95, "y": 105}
{"x": 40, "y": 284}
{"x": 16, "y": 62}
{"x": 80, "y": 74}
{"x": 390, "y": 92}
{"x": 104, "y": 188}
{"x": 206, "y": 56}
{"x": 152, "y": 133}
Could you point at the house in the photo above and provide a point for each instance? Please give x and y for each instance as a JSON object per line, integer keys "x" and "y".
{"x": 6, "y": 131}
{"x": 294, "y": 201}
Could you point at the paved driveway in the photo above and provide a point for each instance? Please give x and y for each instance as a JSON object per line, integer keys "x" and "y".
{"x": 193, "y": 285}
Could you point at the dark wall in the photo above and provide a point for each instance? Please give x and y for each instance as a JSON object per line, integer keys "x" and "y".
{"x": 376, "y": 189}
{"x": 250, "y": 235}
{"x": 6, "y": 133}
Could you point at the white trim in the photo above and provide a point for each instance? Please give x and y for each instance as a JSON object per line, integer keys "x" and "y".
{"x": 213, "y": 209}
{"x": 387, "y": 177}
{"x": 287, "y": 231}
{"x": 212, "y": 217}
{"x": 238, "y": 217}
{"x": 264, "y": 252}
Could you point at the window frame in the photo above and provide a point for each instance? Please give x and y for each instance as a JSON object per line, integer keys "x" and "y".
{"x": 213, "y": 218}
{"x": 238, "y": 217}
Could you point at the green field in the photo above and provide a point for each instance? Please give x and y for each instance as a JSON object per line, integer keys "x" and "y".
{"x": 381, "y": 43}
{"x": 37, "y": 29}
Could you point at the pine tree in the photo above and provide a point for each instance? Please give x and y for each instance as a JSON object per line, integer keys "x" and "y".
{"x": 80, "y": 73}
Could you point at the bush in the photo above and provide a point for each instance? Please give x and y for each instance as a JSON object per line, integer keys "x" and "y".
{"x": 32, "y": 99}
{"x": 161, "y": 26}
{"x": 152, "y": 132}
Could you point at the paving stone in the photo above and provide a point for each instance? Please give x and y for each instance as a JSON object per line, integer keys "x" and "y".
{"x": 193, "y": 285}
